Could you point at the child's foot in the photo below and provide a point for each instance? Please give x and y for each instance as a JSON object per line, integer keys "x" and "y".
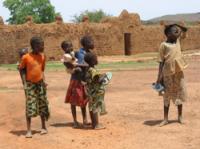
{"x": 99, "y": 127}
{"x": 76, "y": 125}
{"x": 43, "y": 131}
{"x": 29, "y": 134}
{"x": 86, "y": 123}
{"x": 103, "y": 113}
{"x": 163, "y": 123}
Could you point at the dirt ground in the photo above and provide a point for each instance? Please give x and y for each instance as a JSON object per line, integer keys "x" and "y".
{"x": 135, "y": 110}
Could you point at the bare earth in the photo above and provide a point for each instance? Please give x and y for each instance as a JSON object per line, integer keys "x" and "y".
{"x": 135, "y": 111}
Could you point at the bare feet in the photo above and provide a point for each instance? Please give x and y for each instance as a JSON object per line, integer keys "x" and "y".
{"x": 29, "y": 134}
{"x": 163, "y": 123}
{"x": 43, "y": 131}
{"x": 99, "y": 127}
{"x": 103, "y": 113}
{"x": 86, "y": 124}
{"x": 76, "y": 125}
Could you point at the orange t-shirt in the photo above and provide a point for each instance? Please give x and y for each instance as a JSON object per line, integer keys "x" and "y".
{"x": 34, "y": 65}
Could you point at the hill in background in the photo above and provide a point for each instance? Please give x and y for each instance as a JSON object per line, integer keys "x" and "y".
{"x": 189, "y": 18}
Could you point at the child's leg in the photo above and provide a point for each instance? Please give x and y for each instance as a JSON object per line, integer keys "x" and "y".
{"x": 97, "y": 125}
{"x": 43, "y": 122}
{"x": 84, "y": 115}
{"x": 103, "y": 109}
{"x": 180, "y": 118}
{"x": 92, "y": 119}
{"x": 44, "y": 129}
{"x": 73, "y": 109}
{"x": 166, "y": 112}
{"x": 29, "y": 133}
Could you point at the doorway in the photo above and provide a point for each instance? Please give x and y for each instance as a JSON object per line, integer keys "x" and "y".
{"x": 127, "y": 43}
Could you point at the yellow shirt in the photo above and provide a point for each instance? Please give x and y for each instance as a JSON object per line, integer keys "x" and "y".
{"x": 170, "y": 54}
{"x": 35, "y": 65}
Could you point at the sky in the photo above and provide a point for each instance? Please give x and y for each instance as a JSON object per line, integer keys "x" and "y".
{"x": 147, "y": 9}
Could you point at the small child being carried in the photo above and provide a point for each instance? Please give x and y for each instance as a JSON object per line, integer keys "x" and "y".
{"x": 22, "y": 72}
{"x": 68, "y": 59}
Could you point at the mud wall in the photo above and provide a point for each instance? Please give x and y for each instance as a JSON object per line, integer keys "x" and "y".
{"x": 108, "y": 36}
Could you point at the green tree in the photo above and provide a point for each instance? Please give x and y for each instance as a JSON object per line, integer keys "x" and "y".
{"x": 41, "y": 10}
{"x": 94, "y": 16}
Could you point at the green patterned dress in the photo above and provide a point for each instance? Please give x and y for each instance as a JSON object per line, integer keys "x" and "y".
{"x": 95, "y": 91}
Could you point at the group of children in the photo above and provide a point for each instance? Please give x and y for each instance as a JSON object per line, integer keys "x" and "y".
{"x": 87, "y": 85}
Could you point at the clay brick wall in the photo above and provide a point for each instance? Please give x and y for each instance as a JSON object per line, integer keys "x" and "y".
{"x": 108, "y": 36}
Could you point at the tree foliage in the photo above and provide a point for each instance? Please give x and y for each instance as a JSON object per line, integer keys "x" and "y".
{"x": 41, "y": 10}
{"x": 94, "y": 16}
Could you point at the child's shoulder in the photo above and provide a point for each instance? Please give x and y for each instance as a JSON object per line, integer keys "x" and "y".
{"x": 25, "y": 56}
{"x": 165, "y": 44}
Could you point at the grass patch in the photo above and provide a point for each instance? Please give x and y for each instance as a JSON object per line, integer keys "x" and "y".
{"x": 57, "y": 66}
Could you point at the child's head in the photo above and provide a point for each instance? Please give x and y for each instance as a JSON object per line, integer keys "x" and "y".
{"x": 37, "y": 44}
{"x": 172, "y": 32}
{"x": 87, "y": 42}
{"x": 67, "y": 46}
{"x": 23, "y": 52}
{"x": 91, "y": 59}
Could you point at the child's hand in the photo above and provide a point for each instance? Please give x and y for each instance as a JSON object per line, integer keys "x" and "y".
{"x": 181, "y": 25}
{"x": 45, "y": 84}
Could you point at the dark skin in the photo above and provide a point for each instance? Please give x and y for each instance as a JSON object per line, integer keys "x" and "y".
{"x": 37, "y": 49}
{"x": 87, "y": 47}
{"x": 68, "y": 50}
{"x": 77, "y": 68}
{"x": 172, "y": 37}
{"x": 73, "y": 107}
{"x": 95, "y": 115}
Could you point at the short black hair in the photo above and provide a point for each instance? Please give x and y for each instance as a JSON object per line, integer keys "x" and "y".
{"x": 90, "y": 58}
{"x": 168, "y": 28}
{"x": 36, "y": 40}
{"x": 67, "y": 45}
{"x": 86, "y": 40}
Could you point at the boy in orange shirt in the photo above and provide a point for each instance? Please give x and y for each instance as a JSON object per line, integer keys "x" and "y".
{"x": 36, "y": 99}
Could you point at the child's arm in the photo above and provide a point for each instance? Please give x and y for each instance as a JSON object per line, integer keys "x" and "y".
{"x": 160, "y": 73}
{"x": 82, "y": 65}
{"x": 183, "y": 32}
{"x": 43, "y": 75}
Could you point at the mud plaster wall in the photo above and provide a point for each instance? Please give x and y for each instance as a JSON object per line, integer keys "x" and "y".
{"x": 108, "y": 37}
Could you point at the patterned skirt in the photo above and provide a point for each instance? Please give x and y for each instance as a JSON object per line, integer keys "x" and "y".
{"x": 76, "y": 94}
{"x": 96, "y": 95}
{"x": 175, "y": 88}
{"x": 36, "y": 100}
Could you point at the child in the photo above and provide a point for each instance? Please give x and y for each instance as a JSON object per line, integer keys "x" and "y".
{"x": 76, "y": 95}
{"x": 171, "y": 69}
{"x": 22, "y": 72}
{"x": 36, "y": 99}
{"x": 95, "y": 90}
{"x": 69, "y": 57}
